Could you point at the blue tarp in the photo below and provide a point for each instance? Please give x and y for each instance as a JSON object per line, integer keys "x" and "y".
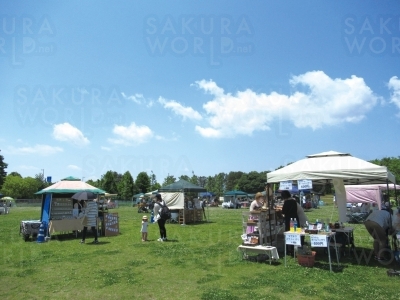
{"x": 206, "y": 194}
{"x": 46, "y": 209}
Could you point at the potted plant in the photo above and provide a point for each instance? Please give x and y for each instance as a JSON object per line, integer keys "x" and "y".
{"x": 305, "y": 257}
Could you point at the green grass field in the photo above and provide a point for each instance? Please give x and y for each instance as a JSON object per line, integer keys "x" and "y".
{"x": 199, "y": 262}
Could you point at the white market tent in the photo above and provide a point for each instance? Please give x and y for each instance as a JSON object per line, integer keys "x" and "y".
{"x": 368, "y": 193}
{"x": 174, "y": 201}
{"x": 341, "y": 168}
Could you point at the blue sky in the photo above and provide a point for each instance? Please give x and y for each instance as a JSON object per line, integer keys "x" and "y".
{"x": 176, "y": 87}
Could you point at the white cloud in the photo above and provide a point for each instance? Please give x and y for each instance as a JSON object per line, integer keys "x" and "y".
{"x": 137, "y": 98}
{"x": 133, "y": 134}
{"x": 67, "y": 133}
{"x": 37, "y": 150}
{"x": 73, "y": 167}
{"x": 317, "y": 101}
{"x": 179, "y": 109}
{"x": 394, "y": 85}
{"x": 105, "y": 148}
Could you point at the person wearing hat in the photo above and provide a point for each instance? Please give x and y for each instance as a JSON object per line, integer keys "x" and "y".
{"x": 157, "y": 218}
{"x": 144, "y": 228}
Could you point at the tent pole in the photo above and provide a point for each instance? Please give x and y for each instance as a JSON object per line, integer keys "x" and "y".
{"x": 184, "y": 221}
{"x": 269, "y": 212}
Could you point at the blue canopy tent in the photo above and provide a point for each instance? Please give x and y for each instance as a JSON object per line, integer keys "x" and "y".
{"x": 206, "y": 194}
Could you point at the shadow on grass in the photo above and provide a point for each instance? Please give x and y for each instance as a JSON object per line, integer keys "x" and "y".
{"x": 365, "y": 257}
{"x": 199, "y": 223}
{"x": 167, "y": 241}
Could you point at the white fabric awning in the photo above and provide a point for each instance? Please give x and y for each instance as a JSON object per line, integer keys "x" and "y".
{"x": 332, "y": 165}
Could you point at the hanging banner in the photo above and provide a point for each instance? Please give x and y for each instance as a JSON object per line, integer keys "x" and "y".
{"x": 292, "y": 239}
{"x": 285, "y": 185}
{"x": 111, "y": 224}
{"x": 318, "y": 240}
{"x": 304, "y": 184}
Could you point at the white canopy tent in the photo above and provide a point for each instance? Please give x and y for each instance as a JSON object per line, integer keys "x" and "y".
{"x": 341, "y": 168}
{"x": 368, "y": 193}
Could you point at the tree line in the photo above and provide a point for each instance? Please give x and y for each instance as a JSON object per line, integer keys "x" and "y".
{"x": 14, "y": 185}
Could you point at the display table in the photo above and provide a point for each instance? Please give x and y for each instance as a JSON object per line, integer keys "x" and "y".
{"x": 269, "y": 250}
{"x": 348, "y": 232}
{"x": 322, "y": 240}
{"x": 65, "y": 225}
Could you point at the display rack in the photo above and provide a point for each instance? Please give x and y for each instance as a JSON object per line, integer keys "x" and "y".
{"x": 266, "y": 224}
{"x": 61, "y": 208}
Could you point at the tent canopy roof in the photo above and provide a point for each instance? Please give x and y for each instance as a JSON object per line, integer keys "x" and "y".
{"x": 332, "y": 165}
{"x": 71, "y": 178}
{"x": 182, "y": 186}
{"x": 70, "y": 186}
{"x": 235, "y": 193}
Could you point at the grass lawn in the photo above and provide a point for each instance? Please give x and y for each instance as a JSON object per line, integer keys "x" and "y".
{"x": 199, "y": 262}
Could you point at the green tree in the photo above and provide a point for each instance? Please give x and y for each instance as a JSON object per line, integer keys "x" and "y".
{"x": 168, "y": 180}
{"x": 217, "y": 184}
{"x": 392, "y": 163}
{"x": 3, "y": 173}
{"x": 15, "y": 174}
{"x": 194, "y": 179}
{"x": 126, "y": 186}
{"x": 185, "y": 177}
{"x": 232, "y": 180}
{"x": 143, "y": 182}
{"x": 252, "y": 182}
{"x": 108, "y": 183}
{"x": 155, "y": 186}
{"x": 20, "y": 188}
{"x": 39, "y": 177}
{"x": 96, "y": 183}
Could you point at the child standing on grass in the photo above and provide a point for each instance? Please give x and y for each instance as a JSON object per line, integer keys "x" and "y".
{"x": 144, "y": 228}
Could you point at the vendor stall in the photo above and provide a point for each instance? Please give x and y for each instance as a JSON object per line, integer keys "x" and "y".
{"x": 59, "y": 211}
{"x": 340, "y": 168}
{"x": 174, "y": 197}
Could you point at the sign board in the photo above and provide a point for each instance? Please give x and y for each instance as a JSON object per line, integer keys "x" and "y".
{"x": 111, "y": 224}
{"x": 304, "y": 184}
{"x": 285, "y": 185}
{"x": 292, "y": 239}
{"x": 318, "y": 240}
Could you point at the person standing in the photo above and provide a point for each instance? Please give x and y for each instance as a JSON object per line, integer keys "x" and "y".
{"x": 289, "y": 210}
{"x": 90, "y": 220}
{"x": 143, "y": 230}
{"x": 258, "y": 202}
{"x": 378, "y": 225}
{"x": 157, "y": 217}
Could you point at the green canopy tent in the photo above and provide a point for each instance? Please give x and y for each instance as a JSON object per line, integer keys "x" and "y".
{"x": 136, "y": 198}
{"x": 183, "y": 187}
{"x": 63, "y": 189}
{"x": 235, "y": 193}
